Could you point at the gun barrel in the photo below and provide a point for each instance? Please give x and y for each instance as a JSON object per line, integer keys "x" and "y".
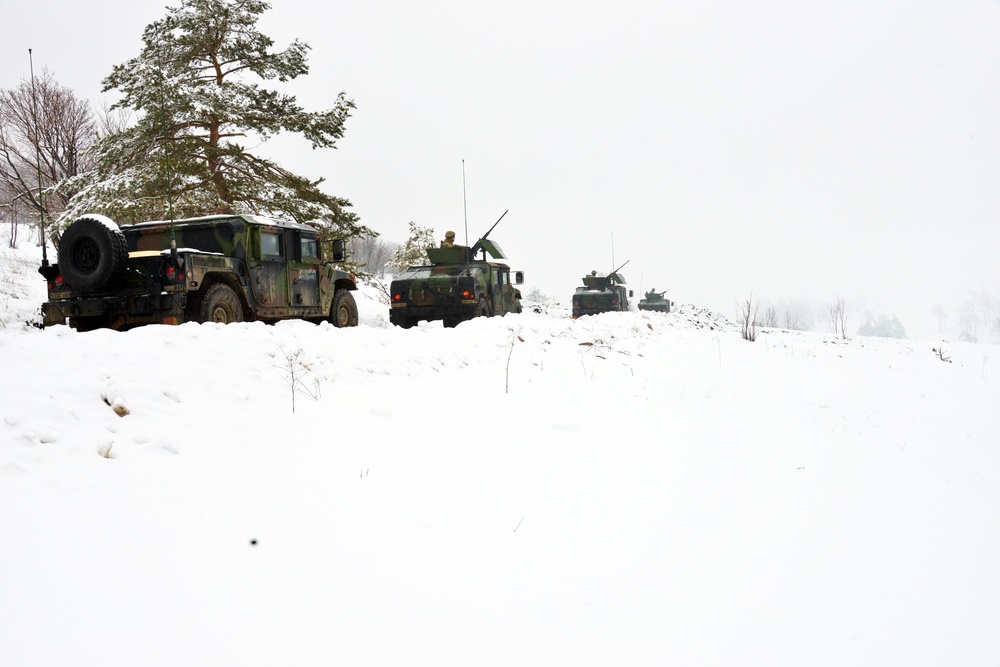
{"x": 495, "y": 224}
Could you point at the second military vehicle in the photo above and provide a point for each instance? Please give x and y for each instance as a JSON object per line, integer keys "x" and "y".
{"x": 656, "y": 301}
{"x": 601, "y": 294}
{"x": 221, "y": 268}
{"x": 456, "y": 286}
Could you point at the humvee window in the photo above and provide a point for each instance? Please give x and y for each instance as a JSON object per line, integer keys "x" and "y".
{"x": 270, "y": 244}
{"x": 309, "y": 249}
{"x": 420, "y": 272}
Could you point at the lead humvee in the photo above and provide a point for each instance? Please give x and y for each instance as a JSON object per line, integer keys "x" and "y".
{"x": 601, "y": 294}
{"x": 456, "y": 286}
{"x": 220, "y": 268}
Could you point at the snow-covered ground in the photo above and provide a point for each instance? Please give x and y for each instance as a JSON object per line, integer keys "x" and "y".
{"x": 627, "y": 489}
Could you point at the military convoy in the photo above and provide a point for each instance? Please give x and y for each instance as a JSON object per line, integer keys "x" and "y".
{"x": 234, "y": 268}
{"x": 221, "y": 268}
{"x": 656, "y": 301}
{"x": 601, "y": 294}
{"x": 456, "y": 286}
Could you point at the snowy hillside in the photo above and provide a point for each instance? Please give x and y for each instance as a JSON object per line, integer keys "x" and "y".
{"x": 626, "y": 489}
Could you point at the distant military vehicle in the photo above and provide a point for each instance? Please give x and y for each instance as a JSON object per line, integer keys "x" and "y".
{"x": 601, "y": 294}
{"x": 655, "y": 301}
{"x": 456, "y": 286}
{"x": 220, "y": 268}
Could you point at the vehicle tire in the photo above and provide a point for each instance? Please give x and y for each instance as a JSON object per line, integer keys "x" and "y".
{"x": 344, "y": 311}
{"x": 483, "y": 309}
{"x": 92, "y": 254}
{"x": 220, "y": 304}
{"x": 90, "y": 323}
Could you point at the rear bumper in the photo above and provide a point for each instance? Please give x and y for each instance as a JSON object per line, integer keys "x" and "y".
{"x": 118, "y": 311}
{"x": 435, "y": 312}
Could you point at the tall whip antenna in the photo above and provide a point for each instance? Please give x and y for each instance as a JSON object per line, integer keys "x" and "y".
{"x": 465, "y": 206}
{"x": 613, "y": 249}
{"x": 38, "y": 159}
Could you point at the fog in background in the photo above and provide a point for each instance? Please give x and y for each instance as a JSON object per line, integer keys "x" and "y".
{"x": 804, "y": 151}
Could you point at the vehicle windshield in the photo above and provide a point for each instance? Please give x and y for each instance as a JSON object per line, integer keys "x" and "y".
{"x": 450, "y": 270}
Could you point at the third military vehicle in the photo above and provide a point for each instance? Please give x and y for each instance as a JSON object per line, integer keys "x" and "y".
{"x": 221, "y": 268}
{"x": 456, "y": 286}
{"x": 601, "y": 294}
{"x": 656, "y": 301}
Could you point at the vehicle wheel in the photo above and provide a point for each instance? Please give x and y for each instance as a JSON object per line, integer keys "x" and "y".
{"x": 89, "y": 323}
{"x": 220, "y": 304}
{"x": 482, "y": 308}
{"x": 451, "y": 322}
{"x": 344, "y": 312}
{"x": 92, "y": 254}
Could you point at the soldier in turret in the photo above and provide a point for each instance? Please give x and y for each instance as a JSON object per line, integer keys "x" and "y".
{"x": 449, "y": 240}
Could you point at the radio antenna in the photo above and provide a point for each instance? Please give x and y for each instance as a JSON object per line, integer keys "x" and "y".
{"x": 465, "y": 206}
{"x": 38, "y": 159}
{"x": 612, "y": 249}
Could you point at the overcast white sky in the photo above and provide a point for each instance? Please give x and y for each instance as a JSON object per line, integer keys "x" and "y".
{"x": 799, "y": 149}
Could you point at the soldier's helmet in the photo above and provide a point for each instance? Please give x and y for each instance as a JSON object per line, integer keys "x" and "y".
{"x": 449, "y": 235}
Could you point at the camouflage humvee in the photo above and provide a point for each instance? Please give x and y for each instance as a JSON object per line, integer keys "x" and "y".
{"x": 221, "y": 268}
{"x": 601, "y": 294}
{"x": 456, "y": 286}
{"x": 655, "y": 301}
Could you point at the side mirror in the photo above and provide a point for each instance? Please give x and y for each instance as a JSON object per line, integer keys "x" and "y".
{"x": 338, "y": 250}
{"x": 630, "y": 294}
{"x": 519, "y": 277}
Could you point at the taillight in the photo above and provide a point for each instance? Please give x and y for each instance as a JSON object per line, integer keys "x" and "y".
{"x": 397, "y": 297}
{"x": 466, "y": 294}
{"x": 57, "y": 283}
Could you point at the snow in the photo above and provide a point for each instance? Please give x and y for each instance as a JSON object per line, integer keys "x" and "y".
{"x": 625, "y": 489}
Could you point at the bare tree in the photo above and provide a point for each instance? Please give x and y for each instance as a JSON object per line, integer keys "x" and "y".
{"x": 372, "y": 253}
{"x": 770, "y": 318}
{"x": 837, "y": 313}
{"x": 748, "y": 314}
{"x": 940, "y": 315}
{"x": 46, "y": 135}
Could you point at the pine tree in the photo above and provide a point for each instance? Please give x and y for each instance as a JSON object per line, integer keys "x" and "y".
{"x": 414, "y": 251}
{"x": 194, "y": 88}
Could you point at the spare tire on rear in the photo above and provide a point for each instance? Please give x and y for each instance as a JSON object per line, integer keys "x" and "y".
{"x": 93, "y": 253}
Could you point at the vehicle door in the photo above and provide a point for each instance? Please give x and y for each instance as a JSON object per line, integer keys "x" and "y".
{"x": 504, "y": 291}
{"x": 269, "y": 270}
{"x": 304, "y": 271}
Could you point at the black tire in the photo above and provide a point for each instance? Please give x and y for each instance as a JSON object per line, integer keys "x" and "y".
{"x": 220, "y": 304}
{"x": 344, "y": 311}
{"x": 91, "y": 323}
{"x": 92, "y": 254}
